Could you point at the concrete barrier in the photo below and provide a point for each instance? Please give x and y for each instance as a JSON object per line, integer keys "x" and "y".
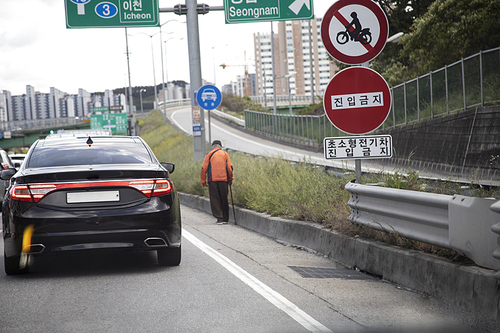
{"x": 471, "y": 288}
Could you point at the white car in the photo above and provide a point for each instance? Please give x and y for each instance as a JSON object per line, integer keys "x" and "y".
{"x": 208, "y": 94}
{"x": 17, "y": 159}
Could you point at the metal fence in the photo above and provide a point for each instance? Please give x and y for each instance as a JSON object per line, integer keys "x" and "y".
{"x": 468, "y": 83}
{"x": 471, "y": 82}
{"x": 281, "y": 99}
{"x": 308, "y": 130}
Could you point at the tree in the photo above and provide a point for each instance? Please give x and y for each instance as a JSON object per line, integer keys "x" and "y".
{"x": 401, "y": 14}
{"x": 237, "y": 103}
{"x": 451, "y": 30}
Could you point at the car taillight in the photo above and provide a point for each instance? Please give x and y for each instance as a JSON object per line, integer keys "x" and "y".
{"x": 39, "y": 191}
{"x": 21, "y": 193}
{"x": 162, "y": 186}
{"x": 35, "y": 192}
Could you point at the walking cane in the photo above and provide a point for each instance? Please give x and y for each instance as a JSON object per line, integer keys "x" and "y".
{"x": 232, "y": 201}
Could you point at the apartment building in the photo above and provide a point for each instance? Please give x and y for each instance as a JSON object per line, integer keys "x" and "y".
{"x": 3, "y": 107}
{"x": 56, "y": 104}
{"x": 301, "y": 62}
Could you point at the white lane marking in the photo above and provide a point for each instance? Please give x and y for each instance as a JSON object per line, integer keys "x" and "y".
{"x": 272, "y": 296}
{"x": 175, "y": 121}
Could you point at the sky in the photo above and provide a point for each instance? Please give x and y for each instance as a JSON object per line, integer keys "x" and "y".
{"x": 37, "y": 49}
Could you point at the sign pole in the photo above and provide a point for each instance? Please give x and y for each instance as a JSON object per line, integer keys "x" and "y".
{"x": 274, "y": 78}
{"x": 357, "y": 164}
{"x": 209, "y": 129}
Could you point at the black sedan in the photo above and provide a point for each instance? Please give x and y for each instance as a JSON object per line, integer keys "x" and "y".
{"x": 90, "y": 193}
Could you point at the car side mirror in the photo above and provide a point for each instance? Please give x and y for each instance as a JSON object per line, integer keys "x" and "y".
{"x": 7, "y": 174}
{"x": 169, "y": 166}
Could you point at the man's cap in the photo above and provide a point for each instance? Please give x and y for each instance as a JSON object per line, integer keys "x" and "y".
{"x": 217, "y": 142}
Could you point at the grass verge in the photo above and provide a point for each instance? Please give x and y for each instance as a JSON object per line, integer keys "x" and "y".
{"x": 270, "y": 185}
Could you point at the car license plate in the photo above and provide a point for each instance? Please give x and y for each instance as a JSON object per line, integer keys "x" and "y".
{"x": 94, "y": 196}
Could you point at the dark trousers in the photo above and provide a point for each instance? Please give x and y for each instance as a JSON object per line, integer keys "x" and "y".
{"x": 218, "y": 200}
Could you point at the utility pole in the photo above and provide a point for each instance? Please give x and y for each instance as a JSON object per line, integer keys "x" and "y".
{"x": 199, "y": 144}
{"x": 191, "y": 9}
{"x": 130, "y": 98}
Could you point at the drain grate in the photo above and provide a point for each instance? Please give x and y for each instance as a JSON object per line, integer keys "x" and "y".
{"x": 330, "y": 273}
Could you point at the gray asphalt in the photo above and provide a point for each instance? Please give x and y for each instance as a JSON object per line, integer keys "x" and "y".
{"x": 253, "y": 288}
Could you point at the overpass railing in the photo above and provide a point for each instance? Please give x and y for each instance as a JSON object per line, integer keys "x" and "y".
{"x": 468, "y": 225}
{"x": 20, "y": 125}
{"x": 174, "y": 103}
{"x": 281, "y": 99}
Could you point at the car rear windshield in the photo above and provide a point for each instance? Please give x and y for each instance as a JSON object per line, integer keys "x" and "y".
{"x": 81, "y": 154}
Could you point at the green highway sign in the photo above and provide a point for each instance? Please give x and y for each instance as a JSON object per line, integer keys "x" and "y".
{"x": 117, "y": 122}
{"x": 96, "y": 109}
{"x": 249, "y": 11}
{"x": 111, "y": 13}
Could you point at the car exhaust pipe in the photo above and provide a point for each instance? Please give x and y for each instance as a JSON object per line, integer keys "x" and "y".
{"x": 155, "y": 242}
{"x": 36, "y": 248}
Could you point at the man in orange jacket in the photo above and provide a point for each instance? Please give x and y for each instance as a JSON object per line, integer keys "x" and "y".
{"x": 219, "y": 169}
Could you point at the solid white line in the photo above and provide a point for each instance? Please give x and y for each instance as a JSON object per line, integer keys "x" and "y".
{"x": 272, "y": 296}
{"x": 175, "y": 121}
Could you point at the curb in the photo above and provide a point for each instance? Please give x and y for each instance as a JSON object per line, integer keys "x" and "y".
{"x": 471, "y": 288}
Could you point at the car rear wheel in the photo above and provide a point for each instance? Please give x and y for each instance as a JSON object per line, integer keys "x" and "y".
{"x": 12, "y": 265}
{"x": 170, "y": 256}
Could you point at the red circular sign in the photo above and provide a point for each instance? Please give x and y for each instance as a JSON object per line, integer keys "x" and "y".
{"x": 354, "y": 31}
{"x": 357, "y": 100}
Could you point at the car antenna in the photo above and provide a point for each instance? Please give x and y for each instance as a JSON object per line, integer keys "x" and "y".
{"x": 89, "y": 141}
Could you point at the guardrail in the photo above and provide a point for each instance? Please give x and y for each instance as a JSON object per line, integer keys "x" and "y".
{"x": 223, "y": 115}
{"x": 467, "y": 225}
{"x": 496, "y": 229}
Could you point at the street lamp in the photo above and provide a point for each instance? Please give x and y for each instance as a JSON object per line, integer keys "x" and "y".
{"x": 395, "y": 38}
{"x": 162, "y": 69}
{"x": 265, "y": 87}
{"x": 288, "y": 76}
{"x": 140, "y": 95}
{"x": 166, "y": 67}
{"x": 213, "y": 59}
{"x": 154, "y": 75}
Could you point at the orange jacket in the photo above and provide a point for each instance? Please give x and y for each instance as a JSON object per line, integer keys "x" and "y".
{"x": 217, "y": 166}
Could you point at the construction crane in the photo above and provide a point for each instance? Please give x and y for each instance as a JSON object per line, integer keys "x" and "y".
{"x": 248, "y": 89}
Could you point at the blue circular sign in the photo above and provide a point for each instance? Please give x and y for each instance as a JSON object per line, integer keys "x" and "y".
{"x": 106, "y": 9}
{"x": 80, "y": 2}
{"x": 209, "y": 97}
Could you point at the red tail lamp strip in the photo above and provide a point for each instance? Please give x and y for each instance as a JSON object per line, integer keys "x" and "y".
{"x": 35, "y": 192}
